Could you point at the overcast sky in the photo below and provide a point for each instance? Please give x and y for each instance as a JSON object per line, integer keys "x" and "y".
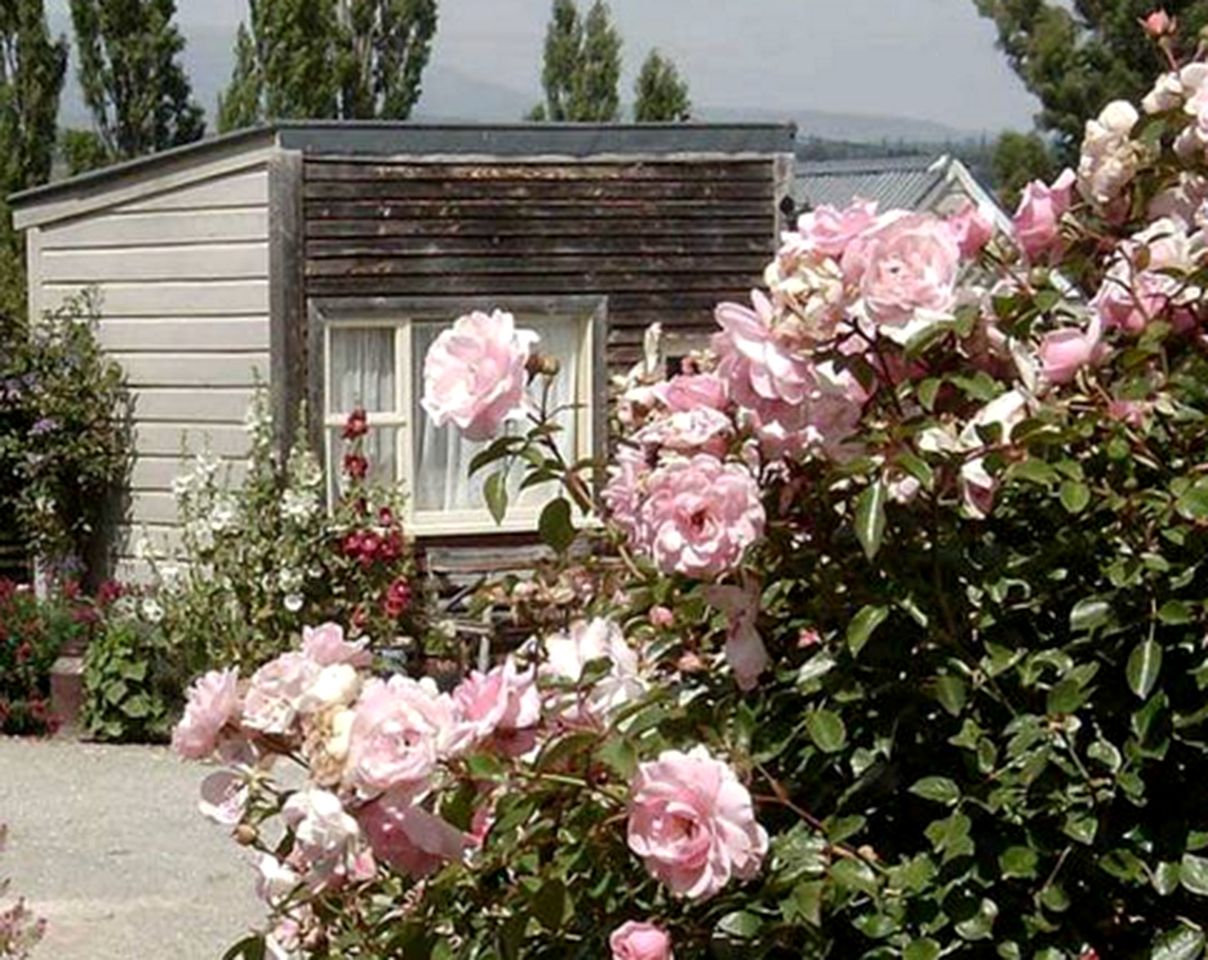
{"x": 929, "y": 59}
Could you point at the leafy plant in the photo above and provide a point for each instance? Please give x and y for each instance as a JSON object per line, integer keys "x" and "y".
{"x": 133, "y": 688}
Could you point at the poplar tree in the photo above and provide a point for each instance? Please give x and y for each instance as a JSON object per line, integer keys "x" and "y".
{"x": 32, "y": 66}
{"x": 329, "y": 59}
{"x": 660, "y": 95}
{"x": 581, "y": 71}
{"x": 131, "y": 76}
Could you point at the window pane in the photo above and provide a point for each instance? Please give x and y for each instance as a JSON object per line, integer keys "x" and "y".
{"x": 362, "y": 370}
{"x": 442, "y": 457}
{"x": 379, "y": 449}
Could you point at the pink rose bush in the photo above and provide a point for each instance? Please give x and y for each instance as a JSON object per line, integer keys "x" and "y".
{"x": 476, "y": 372}
{"x": 887, "y": 638}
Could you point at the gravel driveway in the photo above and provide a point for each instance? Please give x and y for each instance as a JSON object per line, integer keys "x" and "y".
{"x": 107, "y": 844}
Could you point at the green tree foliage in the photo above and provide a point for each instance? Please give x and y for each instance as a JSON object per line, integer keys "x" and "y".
{"x": 132, "y": 78}
{"x": 1020, "y": 158}
{"x": 1077, "y": 56}
{"x": 32, "y": 65}
{"x": 660, "y": 95}
{"x": 582, "y": 68}
{"x": 31, "y": 78}
{"x": 335, "y": 59}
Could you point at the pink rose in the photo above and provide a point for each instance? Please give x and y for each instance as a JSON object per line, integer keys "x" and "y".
{"x": 703, "y": 430}
{"x": 326, "y": 646}
{"x": 409, "y": 838}
{"x": 567, "y": 655}
{"x": 224, "y": 797}
{"x": 623, "y": 493}
{"x": 661, "y": 617}
{"x": 1038, "y": 219}
{"x": 700, "y": 516}
{"x": 1159, "y": 24}
{"x": 401, "y": 729}
{"x": 325, "y": 835}
{"x": 475, "y": 373}
{"x": 908, "y": 264}
{"x": 829, "y": 231}
{"x": 1130, "y": 412}
{"x": 1064, "y": 352}
{"x": 973, "y": 230}
{"x": 978, "y": 488}
{"x": 501, "y": 702}
{"x": 757, "y": 366}
{"x": 693, "y": 823}
{"x": 213, "y": 703}
{"x": 640, "y": 941}
{"x": 683, "y": 393}
{"x": 745, "y": 650}
{"x": 274, "y": 698}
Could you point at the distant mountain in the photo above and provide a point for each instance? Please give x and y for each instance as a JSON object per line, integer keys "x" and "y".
{"x": 454, "y": 96}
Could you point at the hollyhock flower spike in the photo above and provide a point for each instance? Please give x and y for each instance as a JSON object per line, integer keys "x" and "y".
{"x": 693, "y": 824}
{"x": 475, "y": 374}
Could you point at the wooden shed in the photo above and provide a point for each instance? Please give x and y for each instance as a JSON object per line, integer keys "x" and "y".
{"x": 322, "y": 258}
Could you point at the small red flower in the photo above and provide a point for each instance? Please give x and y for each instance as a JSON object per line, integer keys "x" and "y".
{"x": 24, "y": 652}
{"x": 371, "y": 543}
{"x": 352, "y": 544}
{"x": 357, "y": 424}
{"x": 109, "y": 591}
{"x": 397, "y": 599}
{"x": 386, "y": 517}
{"x": 356, "y": 466}
{"x": 390, "y": 547}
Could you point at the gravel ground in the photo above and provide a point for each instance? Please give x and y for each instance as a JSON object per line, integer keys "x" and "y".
{"x": 107, "y": 844}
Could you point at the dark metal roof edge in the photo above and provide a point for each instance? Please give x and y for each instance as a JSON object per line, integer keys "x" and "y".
{"x": 914, "y": 163}
{"x": 518, "y": 139}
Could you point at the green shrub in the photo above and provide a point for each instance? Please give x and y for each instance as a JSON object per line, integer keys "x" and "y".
{"x": 133, "y": 686}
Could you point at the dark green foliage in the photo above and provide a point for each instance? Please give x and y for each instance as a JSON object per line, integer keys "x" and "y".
{"x": 660, "y": 95}
{"x": 31, "y": 78}
{"x": 132, "y": 78}
{"x": 582, "y": 67}
{"x": 1076, "y": 57}
{"x": 133, "y": 684}
{"x": 1018, "y": 159}
{"x": 63, "y": 440}
{"x": 332, "y": 59}
{"x": 82, "y": 150}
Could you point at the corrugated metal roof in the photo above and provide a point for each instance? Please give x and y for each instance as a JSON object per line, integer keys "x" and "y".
{"x": 893, "y": 182}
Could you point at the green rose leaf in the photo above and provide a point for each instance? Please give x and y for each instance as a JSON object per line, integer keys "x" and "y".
{"x": 495, "y": 491}
{"x": 826, "y": 729}
{"x": 870, "y": 518}
{"x": 940, "y": 789}
{"x": 1181, "y": 943}
{"x": 1193, "y": 874}
{"x": 861, "y": 627}
{"x": 1144, "y": 665}
{"x": 555, "y": 525}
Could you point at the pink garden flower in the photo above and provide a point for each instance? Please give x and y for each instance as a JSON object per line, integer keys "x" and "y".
{"x": 409, "y": 838}
{"x": 693, "y": 823}
{"x": 502, "y": 702}
{"x": 224, "y": 797}
{"x": 1143, "y": 283}
{"x": 907, "y": 264}
{"x": 624, "y": 491}
{"x": 829, "y": 231}
{"x": 745, "y": 651}
{"x": 972, "y": 228}
{"x": 640, "y": 941}
{"x": 684, "y": 393}
{"x": 703, "y": 430}
{"x": 325, "y": 835}
{"x": 213, "y": 703}
{"x": 757, "y": 366}
{"x": 475, "y": 373}
{"x": 274, "y": 697}
{"x": 325, "y": 645}
{"x": 401, "y": 729}
{"x": 1064, "y": 352}
{"x": 1038, "y": 219}
{"x": 567, "y": 655}
{"x": 699, "y": 517}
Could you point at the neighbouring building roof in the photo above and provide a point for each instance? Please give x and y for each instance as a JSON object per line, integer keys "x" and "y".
{"x": 911, "y": 183}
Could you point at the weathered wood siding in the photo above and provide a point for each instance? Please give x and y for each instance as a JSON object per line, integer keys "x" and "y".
{"x": 182, "y": 276}
{"x": 664, "y": 239}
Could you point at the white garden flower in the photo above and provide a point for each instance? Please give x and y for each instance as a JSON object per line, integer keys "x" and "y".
{"x": 293, "y": 602}
{"x": 152, "y": 610}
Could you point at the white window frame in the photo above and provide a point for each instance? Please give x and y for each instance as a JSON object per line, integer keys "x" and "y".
{"x": 401, "y": 315}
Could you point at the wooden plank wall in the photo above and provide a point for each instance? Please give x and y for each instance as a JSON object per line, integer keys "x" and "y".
{"x": 183, "y": 281}
{"x": 665, "y": 240}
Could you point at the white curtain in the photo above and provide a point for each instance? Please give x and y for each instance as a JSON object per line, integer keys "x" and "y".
{"x": 362, "y": 373}
{"x": 442, "y": 457}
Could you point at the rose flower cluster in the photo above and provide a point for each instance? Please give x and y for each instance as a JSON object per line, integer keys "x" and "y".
{"x": 380, "y": 753}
